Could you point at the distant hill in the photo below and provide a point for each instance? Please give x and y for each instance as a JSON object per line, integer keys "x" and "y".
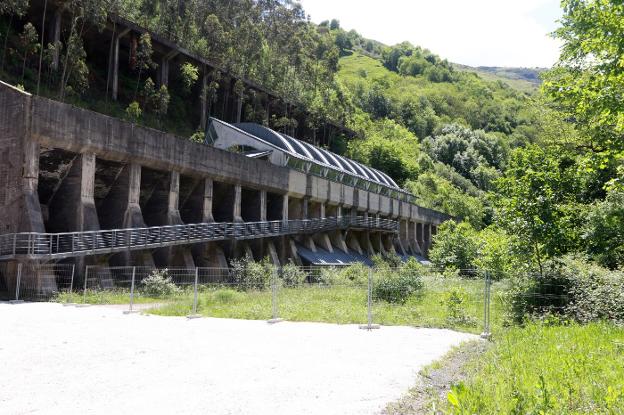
{"x": 523, "y": 79}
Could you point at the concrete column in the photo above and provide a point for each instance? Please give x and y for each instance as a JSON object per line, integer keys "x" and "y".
{"x": 207, "y": 206}
{"x": 353, "y": 243}
{"x": 285, "y": 209}
{"x": 203, "y": 104}
{"x": 73, "y": 207}
{"x": 164, "y": 71}
{"x": 427, "y": 238}
{"x": 113, "y": 64}
{"x": 236, "y": 212}
{"x": 239, "y": 109}
{"x": 263, "y": 205}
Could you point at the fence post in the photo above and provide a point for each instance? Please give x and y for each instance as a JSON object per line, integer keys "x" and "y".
{"x": 369, "y": 304}
{"x": 274, "y": 310}
{"x": 130, "y": 310}
{"x": 71, "y": 286}
{"x": 194, "y": 313}
{"x": 486, "y": 307}
{"x": 71, "y": 281}
{"x": 84, "y": 289}
{"x": 18, "y": 283}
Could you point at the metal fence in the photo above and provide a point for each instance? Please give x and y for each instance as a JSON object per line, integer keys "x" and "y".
{"x": 404, "y": 295}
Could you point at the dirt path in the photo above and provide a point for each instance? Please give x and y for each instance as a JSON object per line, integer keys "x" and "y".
{"x": 96, "y": 360}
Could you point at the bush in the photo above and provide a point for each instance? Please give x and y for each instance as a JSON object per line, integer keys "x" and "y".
{"x": 354, "y": 274}
{"x": 396, "y": 286}
{"x": 159, "y": 284}
{"x": 250, "y": 275}
{"x": 455, "y": 302}
{"x": 292, "y": 276}
{"x": 571, "y": 288}
{"x": 456, "y": 246}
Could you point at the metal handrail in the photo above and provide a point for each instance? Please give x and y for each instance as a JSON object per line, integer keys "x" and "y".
{"x": 62, "y": 245}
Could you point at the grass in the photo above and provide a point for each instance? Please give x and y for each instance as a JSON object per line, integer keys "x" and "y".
{"x": 339, "y": 304}
{"x": 546, "y": 369}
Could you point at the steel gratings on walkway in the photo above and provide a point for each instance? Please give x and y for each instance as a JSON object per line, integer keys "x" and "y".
{"x": 71, "y": 244}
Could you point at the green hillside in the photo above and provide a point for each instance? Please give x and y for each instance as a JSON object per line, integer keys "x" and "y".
{"x": 523, "y": 79}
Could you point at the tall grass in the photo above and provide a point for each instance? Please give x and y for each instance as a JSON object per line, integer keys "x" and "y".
{"x": 547, "y": 369}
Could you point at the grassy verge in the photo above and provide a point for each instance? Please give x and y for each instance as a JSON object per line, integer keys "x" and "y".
{"x": 542, "y": 369}
{"x": 450, "y": 303}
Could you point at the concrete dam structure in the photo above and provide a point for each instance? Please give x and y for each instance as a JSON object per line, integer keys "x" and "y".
{"x": 80, "y": 187}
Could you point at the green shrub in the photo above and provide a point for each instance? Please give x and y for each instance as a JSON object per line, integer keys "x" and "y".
{"x": 226, "y": 296}
{"x": 292, "y": 275}
{"x": 159, "y": 284}
{"x": 396, "y": 286}
{"x": 571, "y": 288}
{"x": 455, "y": 302}
{"x": 456, "y": 246}
{"x": 250, "y": 275}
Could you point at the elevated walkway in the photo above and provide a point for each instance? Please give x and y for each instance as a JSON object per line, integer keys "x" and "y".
{"x": 52, "y": 246}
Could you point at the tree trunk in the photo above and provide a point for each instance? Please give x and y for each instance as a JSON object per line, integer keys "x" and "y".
{"x": 45, "y": 9}
{"x": 6, "y": 41}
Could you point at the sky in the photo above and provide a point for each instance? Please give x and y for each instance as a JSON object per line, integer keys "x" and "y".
{"x": 470, "y": 32}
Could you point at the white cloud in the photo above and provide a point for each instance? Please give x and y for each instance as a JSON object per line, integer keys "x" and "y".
{"x": 477, "y": 32}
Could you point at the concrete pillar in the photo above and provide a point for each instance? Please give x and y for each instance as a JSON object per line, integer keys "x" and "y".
{"x": 209, "y": 254}
{"x": 129, "y": 193}
{"x": 73, "y": 207}
{"x": 236, "y": 209}
{"x": 263, "y": 205}
{"x": 285, "y": 209}
{"x": 420, "y": 238}
{"x": 203, "y": 100}
{"x": 207, "y": 205}
{"x": 164, "y": 71}
{"x": 239, "y": 108}
{"x": 427, "y": 238}
{"x": 113, "y": 64}
{"x": 353, "y": 243}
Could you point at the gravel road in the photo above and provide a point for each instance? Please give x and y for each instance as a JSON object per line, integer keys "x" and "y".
{"x": 96, "y": 360}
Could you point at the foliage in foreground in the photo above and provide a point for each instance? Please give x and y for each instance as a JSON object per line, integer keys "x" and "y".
{"x": 547, "y": 369}
{"x": 572, "y": 288}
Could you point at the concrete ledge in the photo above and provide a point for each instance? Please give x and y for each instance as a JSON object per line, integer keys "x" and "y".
{"x": 16, "y": 301}
{"x": 275, "y": 320}
{"x": 193, "y": 316}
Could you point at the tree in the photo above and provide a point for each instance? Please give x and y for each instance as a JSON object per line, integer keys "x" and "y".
{"x": 28, "y": 45}
{"x": 75, "y": 74}
{"x": 455, "y": 246}
{"x": 537, "y": 203}
{"x": 12, "y": 8}
{"x": 604, "y": 230}
{"x": 334, "y": 24}
{"x": 588, "y": 82}
{"x": 190, "y": 75}
{"x": 143, "y": 61}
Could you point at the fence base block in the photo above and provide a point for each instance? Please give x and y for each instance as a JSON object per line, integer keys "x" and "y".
{"x": 486, "y": 336}
{"x": 370, "y": 326}
{"x": 16, "y": 301}
{"x": 130, "y": 311}
{"x": 192, "y": 316}
{"x": 70, "y": 304}
{"x": 83, "y": 305}
{"x": 275, "y": 320}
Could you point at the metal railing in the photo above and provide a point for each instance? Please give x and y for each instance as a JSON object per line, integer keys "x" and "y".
{"x": 71, "y": 244}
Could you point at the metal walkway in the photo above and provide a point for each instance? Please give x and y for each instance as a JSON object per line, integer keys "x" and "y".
{"x": 47, "y": 246}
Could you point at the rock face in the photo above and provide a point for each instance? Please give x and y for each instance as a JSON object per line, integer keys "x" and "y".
{"x": 65, "y": 169}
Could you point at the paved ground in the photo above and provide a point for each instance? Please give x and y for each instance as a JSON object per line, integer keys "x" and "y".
{"x": 95, "y": 360}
